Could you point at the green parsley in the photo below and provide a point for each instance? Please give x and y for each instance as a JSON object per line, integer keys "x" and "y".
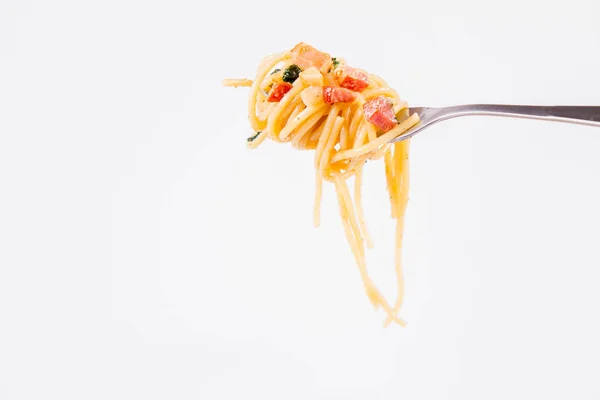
{"x": 251, "y": 138}
{"x": 291, "y": 73}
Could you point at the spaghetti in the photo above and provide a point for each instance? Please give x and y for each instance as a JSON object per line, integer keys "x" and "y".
{"x": 347, "y": 116}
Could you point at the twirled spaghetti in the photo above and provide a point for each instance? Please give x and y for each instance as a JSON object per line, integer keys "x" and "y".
{"x": 347, "y": 117}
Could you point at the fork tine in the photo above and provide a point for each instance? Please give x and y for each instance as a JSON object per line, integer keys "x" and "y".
{"x": 405, "y": 114}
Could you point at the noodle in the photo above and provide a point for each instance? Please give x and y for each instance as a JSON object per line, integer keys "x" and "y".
{"x": 346, "y": 116}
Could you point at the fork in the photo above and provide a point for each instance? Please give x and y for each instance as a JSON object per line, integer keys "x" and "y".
{"x": 585, "y": 115}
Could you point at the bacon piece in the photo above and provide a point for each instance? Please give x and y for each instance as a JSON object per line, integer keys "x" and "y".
{"x": 333, "y": 95}
{"x": 304, "y": 56}
{"x": 352, "y": 78}
{"x": 380, "y": 112}
{"x": 278, "y": 91}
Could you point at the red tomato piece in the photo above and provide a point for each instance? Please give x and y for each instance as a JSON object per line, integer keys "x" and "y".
{"x": 333, "y": 95}
{"x": 278, "y": 91}
{"x": 380, "y": 112}
{"x": 352, "y": 78}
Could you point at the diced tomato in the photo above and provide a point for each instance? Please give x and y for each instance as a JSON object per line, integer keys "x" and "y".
{"x": 333, "y": 95}
{"x": 278, "y": 91}
{"x": 352, "y": 78}
{"x": 380, "y": 112}
{"x": 304, "y": 56}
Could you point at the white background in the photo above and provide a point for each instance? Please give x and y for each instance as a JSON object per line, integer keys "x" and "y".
{"x": 146, "y": 253}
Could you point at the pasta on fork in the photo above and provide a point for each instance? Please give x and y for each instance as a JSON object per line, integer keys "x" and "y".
{"x": 347, "y": 116}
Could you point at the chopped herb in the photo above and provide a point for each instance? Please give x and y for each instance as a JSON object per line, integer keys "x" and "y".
{"x": 251, "y": 138}
{"x": 275, "y": 71}
{"x": 291, "y": 73}
{"x": 335, "y": 62}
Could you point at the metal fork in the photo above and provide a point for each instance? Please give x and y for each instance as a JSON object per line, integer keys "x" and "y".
{"x": 585, "y": 115}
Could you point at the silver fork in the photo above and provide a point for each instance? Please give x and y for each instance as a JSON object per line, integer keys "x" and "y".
{"x": 585, "y": 115}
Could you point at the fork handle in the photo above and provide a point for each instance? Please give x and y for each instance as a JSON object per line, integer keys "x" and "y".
{"x": 586, "y": 115}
